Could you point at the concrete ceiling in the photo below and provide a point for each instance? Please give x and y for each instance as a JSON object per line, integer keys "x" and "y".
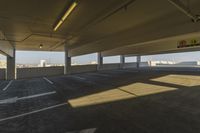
{"x": 94, "y": 25}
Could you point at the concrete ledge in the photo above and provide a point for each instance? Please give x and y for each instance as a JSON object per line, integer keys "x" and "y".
{"x": 39, "y": 72}
{"x": 53, "y": 71}
{"x": 83, "y": 68}
{"x": 2, "y": 74}
{"x": 130, "y": 65}
{"x": 110, "y": 66}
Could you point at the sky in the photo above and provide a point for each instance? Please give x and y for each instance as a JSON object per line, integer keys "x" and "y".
{"x": 30, "y": 57}
{"x": 176, "y": 57}
{"x": 34, "y": 57}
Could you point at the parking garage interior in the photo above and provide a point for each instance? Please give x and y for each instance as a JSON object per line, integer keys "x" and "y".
{"x": 121, "y": 90}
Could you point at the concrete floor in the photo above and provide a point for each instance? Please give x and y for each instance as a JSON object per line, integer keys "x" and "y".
{"x": 117, "y": 101}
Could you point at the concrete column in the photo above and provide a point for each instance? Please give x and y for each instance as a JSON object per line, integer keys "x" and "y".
{"x": 138, "y": 61}
{"x": 67, "y": 61}
{"x": 122, "y": 61}
{"x": 99, "y": 61}
{"x": 11, "y": 68}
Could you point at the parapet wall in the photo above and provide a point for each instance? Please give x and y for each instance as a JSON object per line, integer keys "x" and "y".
{"x": 2, "y": 74}
{"x": 83, "y": 68}
{"x": 53, "y": 71}
{"x": 130, "y": 65}
{"x": 39, "y": 72}
{"x": 110, "y": 66}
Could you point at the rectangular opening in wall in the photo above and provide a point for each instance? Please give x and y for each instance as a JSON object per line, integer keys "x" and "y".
{"x": 184, "y": 59}
{"x": 130, "y": 59}
{"x": 2, "y": 67}
{"x": 31, "y": 64}
{"x": 28, "y": 59}
{"x": 88, "y": 59}
{"x": 111, "y": 59}
{"x": 130, "y": 62}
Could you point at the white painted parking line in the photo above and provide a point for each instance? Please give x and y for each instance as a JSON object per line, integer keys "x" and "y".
{"x": 9, "y": 100}
{"x": 90, "y": 130}
{"x": 8, "y": 85}
{"x": 82, "y": 79}
{"x": 15, "y": 99}
{"x": 77, "y": 77}
{"x": 99, "y": 74}
{"x": 33, "y": 112}
{"x": 49, "y": 81}
{"x": 37, "y": 95}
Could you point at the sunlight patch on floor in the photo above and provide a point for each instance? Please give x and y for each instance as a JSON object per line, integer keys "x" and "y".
{"x": 101, "y": 97}
{"x": 142, "y": 89}
{"x": 183, "y": 80}
{"x": 121, "y": 93}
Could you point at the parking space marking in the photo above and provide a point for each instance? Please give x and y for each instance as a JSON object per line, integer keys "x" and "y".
{"x": 15, "y": 99}
{"x": 49, "y": 81}
{"x": 77, "y": 77}
{"x": 10, "y": 82}
{"x": 99, "y": 74}
{"x": 82, "y": 79}
{"x": 37, "y": 95}
{"x": 9, "y": 100}
{"x": 33, "y": 112}
{"x": 90, "y": 130}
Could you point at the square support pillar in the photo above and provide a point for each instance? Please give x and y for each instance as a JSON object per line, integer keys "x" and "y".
{"x": 138, "y": 62}
{"x": 99, "y": 61}
{"x": 67, "y": 67}
{"x": 11, "y": 67}
{"x": 122, "y": 61}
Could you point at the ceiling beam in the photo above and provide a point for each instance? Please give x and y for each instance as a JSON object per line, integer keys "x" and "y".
{"x": 158, "y": 46}
{"x": 143, "y": 34}
{"x": 5, "y": 46}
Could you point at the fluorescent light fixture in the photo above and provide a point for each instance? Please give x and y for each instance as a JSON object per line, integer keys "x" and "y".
{"x": 67, "y": 13}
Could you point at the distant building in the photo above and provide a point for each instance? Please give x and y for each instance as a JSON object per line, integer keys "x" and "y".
{"x": 170, "y": 63}
{"x": 157, "y": 63}
{"x": 189, "y": 63}
{"x": 43, "y": 63}
{"x": 93, "y": 62}
{"x": 74, "y": 64}
{"x": 2, "y": 64}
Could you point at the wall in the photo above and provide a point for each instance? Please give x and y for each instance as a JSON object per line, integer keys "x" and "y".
{"x": 39, "y": 72}
{"x": 83, "y": 68}
{"x": 130, "y": 65}
{"x": 144, "y": 64}
{"x": 52, "y": 71}
{"x": 92, "y": 68}
{"x": 110, "y": 66}
{"x": 2, "y": 74}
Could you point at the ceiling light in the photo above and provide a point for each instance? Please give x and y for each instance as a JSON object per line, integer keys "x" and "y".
{"x": 41, "y": 45}
{"x": 67, "y": 13}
